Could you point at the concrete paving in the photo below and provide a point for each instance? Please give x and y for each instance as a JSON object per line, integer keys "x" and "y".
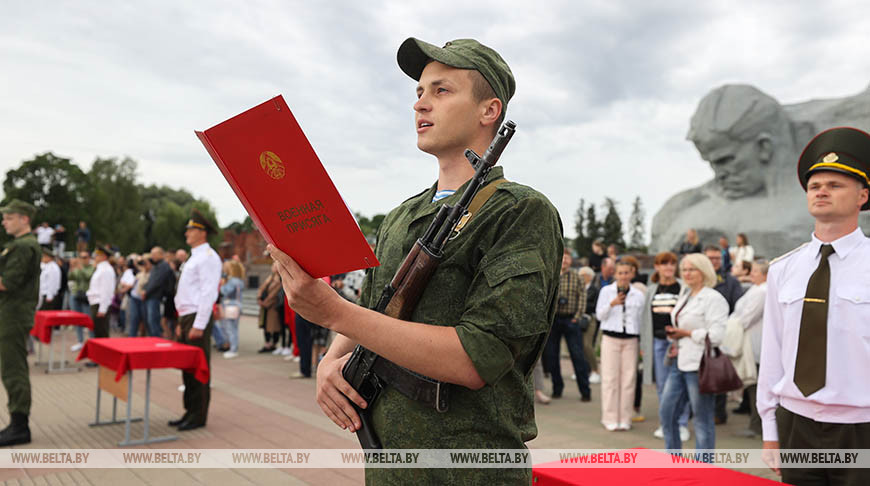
{"x": 255, "y": 405}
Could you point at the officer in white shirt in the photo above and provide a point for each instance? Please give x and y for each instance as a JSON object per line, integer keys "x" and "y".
{"x": 195, "y": 297}
{"x": 49, "y": 282}
{"x": 813, "y": 391}
{"x": 101, "y": 291}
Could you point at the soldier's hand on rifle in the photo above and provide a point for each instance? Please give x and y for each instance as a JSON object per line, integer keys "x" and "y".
{"x": 333, "y": 392}
{"x": 310, "y": 297}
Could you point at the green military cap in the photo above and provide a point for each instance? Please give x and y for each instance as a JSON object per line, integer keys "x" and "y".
{"x": 47, "y": 252}
{"x": 198, "y": 221}
{"x": 414, "y": 54}
{"x": 19, "y": 207}
{"x": 843, "y": 149}
{"x": 104, "y": 249}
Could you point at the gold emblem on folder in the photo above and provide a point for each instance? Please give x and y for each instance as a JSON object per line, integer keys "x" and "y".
{"x": 272, "y": 164}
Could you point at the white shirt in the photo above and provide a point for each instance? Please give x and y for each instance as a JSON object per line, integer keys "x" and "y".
{"x": 128, "y": 278}
{"x": 44, "y": 234}
{"x": 743, "y": 254}
{"x": 749, "y": 309}
{"x": 622, "y": 318}
{"x": 101, "y": 289}
{"x": 845, "y": 398}
{"x": 705, "y": 314}
{"x": 49, "y": 280}
{"x": 198, "y": 285}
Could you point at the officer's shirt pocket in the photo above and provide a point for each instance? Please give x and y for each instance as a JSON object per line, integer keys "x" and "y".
{"x": 791, "y": 301}
{"x": 852, "y": 310}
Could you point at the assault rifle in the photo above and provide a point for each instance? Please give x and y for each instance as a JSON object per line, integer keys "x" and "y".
{"x": 367, "y": 372}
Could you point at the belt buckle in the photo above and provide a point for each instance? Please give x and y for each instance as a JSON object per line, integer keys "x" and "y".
{"x": 438, "y": 398}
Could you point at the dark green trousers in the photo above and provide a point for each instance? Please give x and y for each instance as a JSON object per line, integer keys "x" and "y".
{"x": 14, "y": 371}
{"x": 101, "y": 324}
{"x": 196, "y": 394}
{"x": 799, "y": 432}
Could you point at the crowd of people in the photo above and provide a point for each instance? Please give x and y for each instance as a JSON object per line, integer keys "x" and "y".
{"x": 624, "y": 329}
{"x": 142, "y": 299}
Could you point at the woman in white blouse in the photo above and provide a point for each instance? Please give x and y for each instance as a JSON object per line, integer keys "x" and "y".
{"x": 744, "y": 251}
{"x": 619, "y": 309}
{"x": 700, "y": 312}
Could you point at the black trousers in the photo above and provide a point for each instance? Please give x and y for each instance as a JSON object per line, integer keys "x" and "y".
{"x": 196, "y": 394}
{"x": 799, "y": 432}
{"x": 101, "y": 324}
{"x": 303, "y": 341}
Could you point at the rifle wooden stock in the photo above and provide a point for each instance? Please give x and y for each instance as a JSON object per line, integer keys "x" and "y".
{"x": 411, "y": 280}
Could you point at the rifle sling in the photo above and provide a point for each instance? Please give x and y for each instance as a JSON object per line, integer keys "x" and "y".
{"x": 482, "y": 196}
{"x": 414, "y": 385}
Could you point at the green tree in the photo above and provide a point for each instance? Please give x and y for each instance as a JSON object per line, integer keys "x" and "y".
{"x": 170, "y": 219}
{"x": 582, "y": 244}
{"x": 115, "y": 204}
{"x": 369, "y": 227}
{"x": 611, "y": 229}
{"x": 593, "y": 227}
{"x": 637, "y": 232}
{"x": 55, "y": 185}
{"x": 242, "y": 227}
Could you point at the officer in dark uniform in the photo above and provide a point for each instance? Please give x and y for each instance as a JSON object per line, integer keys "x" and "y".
{"x": 19, "y": 293}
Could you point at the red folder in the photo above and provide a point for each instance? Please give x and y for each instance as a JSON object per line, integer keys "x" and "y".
{"x": 274, "y": 171}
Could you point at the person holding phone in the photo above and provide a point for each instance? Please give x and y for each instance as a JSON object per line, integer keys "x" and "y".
{"x": 700, "y": 312}
{"x": 619, "y": 310}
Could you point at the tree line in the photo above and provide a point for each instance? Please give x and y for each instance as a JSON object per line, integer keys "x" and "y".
{"x": 610, "y": 230}
{"x": 118, "y": 210}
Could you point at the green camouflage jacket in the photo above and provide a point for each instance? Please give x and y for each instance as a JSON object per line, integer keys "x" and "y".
{"x": 496, "y": 285}
{"x": 19, "y": 270}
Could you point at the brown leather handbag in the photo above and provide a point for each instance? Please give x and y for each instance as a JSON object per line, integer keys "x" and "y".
{"x": 716, "y": 373}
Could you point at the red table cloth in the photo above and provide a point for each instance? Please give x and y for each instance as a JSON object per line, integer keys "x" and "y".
{"x": 137, "y": 353}
{"x": 708, "y": 475}
{"x": 45, "y": 320}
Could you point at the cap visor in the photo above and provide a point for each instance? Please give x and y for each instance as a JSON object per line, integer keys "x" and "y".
{"x": 414, "y": 54}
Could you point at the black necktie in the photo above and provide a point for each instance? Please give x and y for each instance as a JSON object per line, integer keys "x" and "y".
{"x": 812, "y": 354}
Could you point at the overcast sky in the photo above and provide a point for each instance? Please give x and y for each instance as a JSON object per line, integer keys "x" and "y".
{"x": 605, "y": 89}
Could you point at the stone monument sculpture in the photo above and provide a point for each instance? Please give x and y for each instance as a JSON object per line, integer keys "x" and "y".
{"x": 752, "y": 143}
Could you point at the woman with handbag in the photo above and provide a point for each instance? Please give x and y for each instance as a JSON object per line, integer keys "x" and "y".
{"x": 270, "y": 320}
{"x": 699, "y": 317}
{"x": 231, "y": 290}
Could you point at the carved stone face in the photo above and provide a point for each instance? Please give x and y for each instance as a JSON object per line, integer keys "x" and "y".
{"x": 740, "y": 167}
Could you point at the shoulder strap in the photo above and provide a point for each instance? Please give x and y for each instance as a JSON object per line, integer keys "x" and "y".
{"x": 478, "y": 201}
{"x": 781, "y": 257}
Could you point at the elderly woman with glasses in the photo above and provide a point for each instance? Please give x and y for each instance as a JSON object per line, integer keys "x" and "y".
{"x": 700, "y": 312}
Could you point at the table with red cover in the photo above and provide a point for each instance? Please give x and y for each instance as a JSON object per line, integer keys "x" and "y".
{"x": 45, "y": 322}
{"x": 123, "y": 355}
{"x": 559, "y": 475}
{"x": 144, "y": 353}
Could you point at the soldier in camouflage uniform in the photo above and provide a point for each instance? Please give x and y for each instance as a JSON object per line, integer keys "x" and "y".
{"x": 483, "y": 320}
{"x": 19, "y": 292}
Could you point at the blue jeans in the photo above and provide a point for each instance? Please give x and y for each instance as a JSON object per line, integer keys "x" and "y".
{"x": 682, "y": 386}
{"x": 660, "y": 350}
{"x": 152, "y": 317}
{"x": 83, "y": 307}
{"x": 562, "y": 326}
{"x": 230, "y": 330}
{"x": 135, "y": 314}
